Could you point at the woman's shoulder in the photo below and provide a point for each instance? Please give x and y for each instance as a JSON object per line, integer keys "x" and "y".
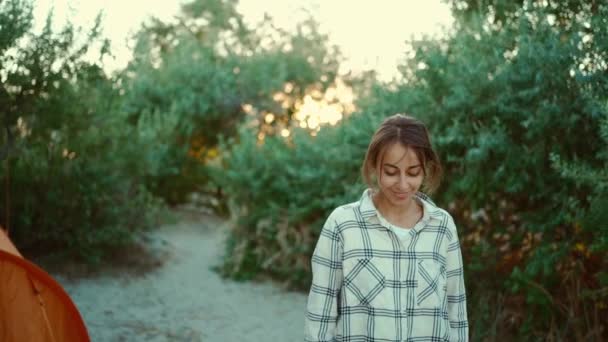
{"x": 435, "y": 210}
{"x": 345, "y": 212}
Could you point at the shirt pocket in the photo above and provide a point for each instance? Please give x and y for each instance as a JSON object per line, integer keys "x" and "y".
{"x": 431, "y": 283}
{"x": 364, "y": 283}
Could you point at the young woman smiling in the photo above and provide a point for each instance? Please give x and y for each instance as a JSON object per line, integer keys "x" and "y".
{"x": 389, "y": 267}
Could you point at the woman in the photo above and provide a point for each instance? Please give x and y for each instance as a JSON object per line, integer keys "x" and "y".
{"x": 388, "y": 267}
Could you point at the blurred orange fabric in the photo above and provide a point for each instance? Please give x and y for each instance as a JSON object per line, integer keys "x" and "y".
{"x": 33, "y": 306}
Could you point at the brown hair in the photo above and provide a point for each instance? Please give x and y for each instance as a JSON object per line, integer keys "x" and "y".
{"x": 410, "y": 132}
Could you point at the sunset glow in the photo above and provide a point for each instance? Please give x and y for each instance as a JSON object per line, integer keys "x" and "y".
{"x": 329, "y": 109}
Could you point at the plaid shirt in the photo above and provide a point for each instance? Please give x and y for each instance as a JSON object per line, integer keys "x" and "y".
{"x": 370, "y": 285}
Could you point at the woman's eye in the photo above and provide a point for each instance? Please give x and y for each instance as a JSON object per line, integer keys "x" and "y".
{"x": 414, "y": 174}
{"x": 390, "y": 173}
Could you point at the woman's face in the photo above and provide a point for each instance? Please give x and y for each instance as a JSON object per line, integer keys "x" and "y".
{"x": 400, "y": 175}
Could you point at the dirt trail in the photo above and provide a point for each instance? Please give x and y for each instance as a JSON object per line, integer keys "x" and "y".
{"x": 184, "y": 300}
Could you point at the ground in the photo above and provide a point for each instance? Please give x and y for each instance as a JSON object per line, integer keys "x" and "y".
{"x": 184, "y": 299}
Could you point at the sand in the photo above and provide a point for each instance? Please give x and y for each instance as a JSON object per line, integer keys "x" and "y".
{"x": 184, "y": 299}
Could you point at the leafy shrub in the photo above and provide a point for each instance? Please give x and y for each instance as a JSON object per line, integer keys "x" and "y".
{"x": 282, "y": 190}
{"x": 204, "y": 71}
{"x": 503, "y": 103}
{"x": 515, "y": 102}
{"x": 74, "y": 178}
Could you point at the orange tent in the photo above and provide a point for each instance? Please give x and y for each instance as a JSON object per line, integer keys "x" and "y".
{"x": 33, "y": 306}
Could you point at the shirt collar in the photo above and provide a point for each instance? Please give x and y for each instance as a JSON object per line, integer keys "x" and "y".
{"x": 370, "y": 213}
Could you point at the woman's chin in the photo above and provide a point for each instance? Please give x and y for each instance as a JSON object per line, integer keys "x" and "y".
{"x": 400, "y": 200}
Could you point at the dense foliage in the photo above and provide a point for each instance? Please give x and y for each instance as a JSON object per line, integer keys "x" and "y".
{"x": 207, "y": 71}
{"x": 72, "y": 177}
{"x": 515, "y": 97}
{"x": 517, "y": 103}
{"x": 91, "y": 149}
{"x": 281, "y": 191}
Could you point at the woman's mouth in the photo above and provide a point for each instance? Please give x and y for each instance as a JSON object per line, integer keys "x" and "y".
{"x": 401, "y": 195}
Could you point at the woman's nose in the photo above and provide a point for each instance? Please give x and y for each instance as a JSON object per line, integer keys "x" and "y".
{"x": 403, "y": 182}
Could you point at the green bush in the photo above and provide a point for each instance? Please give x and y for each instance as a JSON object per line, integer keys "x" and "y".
{"x": 282, "y": 189}
{"x": 75, "y": 173}
{"x": 506, "y": 103}
{"x": 515, "y": 98}
{"x": 203, "y": 71}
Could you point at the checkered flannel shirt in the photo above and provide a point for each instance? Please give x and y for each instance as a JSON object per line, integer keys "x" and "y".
{"x": 370, "y": 285}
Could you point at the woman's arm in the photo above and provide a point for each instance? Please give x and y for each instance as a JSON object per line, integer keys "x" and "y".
{"x": 323, "y": 300}
{"x": 457, "y": 299}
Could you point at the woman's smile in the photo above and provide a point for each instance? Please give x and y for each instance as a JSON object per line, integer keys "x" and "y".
{"x": 401, "y": 195}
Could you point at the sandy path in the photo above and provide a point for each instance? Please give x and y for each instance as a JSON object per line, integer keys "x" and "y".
{"x": 184, "y": 300}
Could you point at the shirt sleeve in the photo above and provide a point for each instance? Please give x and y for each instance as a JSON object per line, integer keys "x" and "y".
{"x": 323, "y": 299}
{"x": 457, "y": 300}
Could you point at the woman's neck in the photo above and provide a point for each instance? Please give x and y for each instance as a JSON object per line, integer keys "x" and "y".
{"x": 405, "y": 216}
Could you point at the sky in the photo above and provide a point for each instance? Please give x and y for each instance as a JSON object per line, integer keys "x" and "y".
{"x": 371, "y": 34}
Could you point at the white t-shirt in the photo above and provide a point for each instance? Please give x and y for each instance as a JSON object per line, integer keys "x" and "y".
{"x": 401, "y": 232}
